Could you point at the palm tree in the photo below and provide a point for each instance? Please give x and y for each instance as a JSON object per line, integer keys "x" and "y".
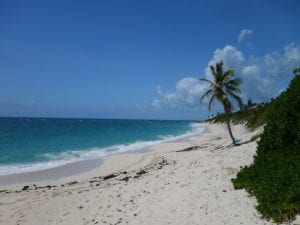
{"x": 223, "y": 87}
{"x": 296, "y": 71}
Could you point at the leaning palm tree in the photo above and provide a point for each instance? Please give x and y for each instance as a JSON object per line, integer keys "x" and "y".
{"x": 223, "y": 87}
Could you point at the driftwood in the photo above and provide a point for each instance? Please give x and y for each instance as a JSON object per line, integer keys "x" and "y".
{"x": 192, "y": 148}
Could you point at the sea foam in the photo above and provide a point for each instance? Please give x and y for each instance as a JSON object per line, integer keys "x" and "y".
{"x": 66, "y": 157}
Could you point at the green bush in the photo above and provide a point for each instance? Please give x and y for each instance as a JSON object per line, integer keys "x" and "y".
{"x": 274, "y": 177}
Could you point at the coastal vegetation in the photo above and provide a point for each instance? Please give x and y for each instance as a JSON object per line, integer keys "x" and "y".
{"x": 253, "y": 117}
{"x": 223, "y": 87}
{"x": 274, "y": 177}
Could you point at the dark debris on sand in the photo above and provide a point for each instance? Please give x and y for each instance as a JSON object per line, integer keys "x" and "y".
{"x": 125, "y": 176}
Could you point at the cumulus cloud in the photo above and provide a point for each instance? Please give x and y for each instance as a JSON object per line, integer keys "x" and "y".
{"x": 230, "y": 56}
{"x": 251, "y": 70}
{"x": 186, "y": 94}
{"x": 264, "y": 77}
{"x": 243, "y": 34}
{"x": 276, "y": 64}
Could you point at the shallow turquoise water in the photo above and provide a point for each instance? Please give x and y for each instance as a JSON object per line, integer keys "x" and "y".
{"x": 28, "y": 144}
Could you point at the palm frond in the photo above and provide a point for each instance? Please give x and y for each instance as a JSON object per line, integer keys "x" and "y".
{"x": 228, "y": 74}
{"x": 206, "y": 94}
{"x": 219, "y": 67}
{"x": 213, "y": 70}
{"x": 235, "y": 82}
{"x": 236, "y": 97}
{"x": 208, "y": 81}
{"x": 210, "y": 102}
{"x": 223, "y": 87}
{"x": 219, "y": 70}
{"x": 232, "y": 89}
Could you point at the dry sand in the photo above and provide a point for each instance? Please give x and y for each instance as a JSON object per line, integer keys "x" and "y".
{"x": 164, "y": 186}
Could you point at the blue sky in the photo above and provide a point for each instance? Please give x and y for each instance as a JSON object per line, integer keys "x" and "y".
{"x": 139, "y": 59}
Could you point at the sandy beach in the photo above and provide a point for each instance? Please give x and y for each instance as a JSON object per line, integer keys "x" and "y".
{"x": 181, "y": 182}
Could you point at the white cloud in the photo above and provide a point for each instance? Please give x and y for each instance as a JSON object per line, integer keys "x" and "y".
{"x": 263, "y": 78}
{"x": 277, "y": 64}
{"x": 230, "y": 56}
{"x": 156, "y": 104}
{"x": 243, "y": 34}
{"x": 251, "y": 70}
{"x": 158, "y": 89}
{"x": 187, "y": 94}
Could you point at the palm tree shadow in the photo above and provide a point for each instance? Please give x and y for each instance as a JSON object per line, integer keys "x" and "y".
{"x": 242, "y": 143}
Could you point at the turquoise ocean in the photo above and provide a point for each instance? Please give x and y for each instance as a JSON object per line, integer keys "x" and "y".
{"x": 32, "y": 144}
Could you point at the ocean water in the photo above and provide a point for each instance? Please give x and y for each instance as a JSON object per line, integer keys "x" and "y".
{"x": 31, "y": 144}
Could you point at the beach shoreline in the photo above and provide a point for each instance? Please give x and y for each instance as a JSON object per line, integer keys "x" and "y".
{"x": 183, "y": 182}
{"x": 79, "y": 167}
{"x": 51, "y": 174}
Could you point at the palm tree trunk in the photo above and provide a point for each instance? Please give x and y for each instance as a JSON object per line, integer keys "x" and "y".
{"x": 227, "y": 112}
{"x": 229, "y": 128}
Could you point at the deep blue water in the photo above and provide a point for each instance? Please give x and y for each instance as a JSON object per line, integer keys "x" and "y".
{"x": 28, "y": 144}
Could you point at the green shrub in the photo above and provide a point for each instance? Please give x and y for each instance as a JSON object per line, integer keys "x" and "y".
{"x": 252, "y": 117}
{"x": 274, "y": 177}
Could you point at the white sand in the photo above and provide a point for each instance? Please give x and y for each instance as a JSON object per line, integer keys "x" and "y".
{"x": 191, "y": 187}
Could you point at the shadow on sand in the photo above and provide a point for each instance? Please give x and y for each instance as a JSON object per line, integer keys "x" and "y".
{"x": 242, "y": 143}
